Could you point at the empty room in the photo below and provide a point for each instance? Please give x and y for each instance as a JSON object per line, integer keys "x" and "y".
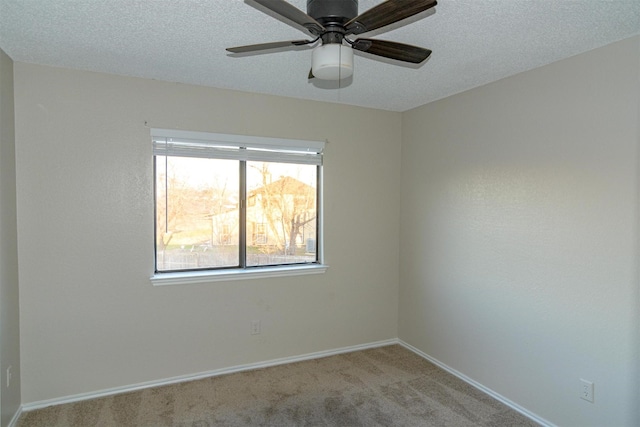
{"x": 319, "y": 212}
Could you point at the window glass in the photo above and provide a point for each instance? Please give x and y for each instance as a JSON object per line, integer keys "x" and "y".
{"x": 197, "y": 213}
{"x": 281, "y": 213}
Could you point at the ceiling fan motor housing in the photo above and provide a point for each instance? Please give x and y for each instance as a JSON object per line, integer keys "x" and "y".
{"x": 328, "y": 12}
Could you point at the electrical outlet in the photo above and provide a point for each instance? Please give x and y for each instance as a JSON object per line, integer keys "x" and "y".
{"x": 255, "y": 327}
{"x": 586, "y": 390}
{"x": 8, "y": 376}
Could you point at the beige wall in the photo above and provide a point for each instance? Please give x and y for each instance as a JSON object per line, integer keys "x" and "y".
{"x": 90, "y": 318}
{"x": 519, "y": 235}
{"x": 9, "y": 302}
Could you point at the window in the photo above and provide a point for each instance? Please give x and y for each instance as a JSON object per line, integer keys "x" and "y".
{"x": 260, "y": 236}
{"x": 230, "y": 202}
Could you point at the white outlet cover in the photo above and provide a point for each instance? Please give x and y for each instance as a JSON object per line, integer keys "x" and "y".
{"x": 586, "y": 390}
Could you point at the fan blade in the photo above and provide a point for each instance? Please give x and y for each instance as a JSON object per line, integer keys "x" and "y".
{"x": 265, "y": 46}
{"x": 393, "y": 50}
{"x": 387, "y": 13}
{"x": 292, "y": 13}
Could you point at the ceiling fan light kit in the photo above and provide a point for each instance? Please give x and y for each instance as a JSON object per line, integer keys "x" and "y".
{"x": 331, "y": 22}
{"x": 332, "y": 62}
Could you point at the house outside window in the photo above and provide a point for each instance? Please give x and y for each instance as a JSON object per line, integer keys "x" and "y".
{"x": 225, "y": 237}
{"x": 260, "y": 234}
{"x": 235, "y": 202}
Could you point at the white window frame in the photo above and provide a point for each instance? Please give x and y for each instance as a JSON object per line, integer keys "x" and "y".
{"x": 172, "y": 142}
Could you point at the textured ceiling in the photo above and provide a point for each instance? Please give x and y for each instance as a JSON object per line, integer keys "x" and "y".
{"x": 474, "y": 42}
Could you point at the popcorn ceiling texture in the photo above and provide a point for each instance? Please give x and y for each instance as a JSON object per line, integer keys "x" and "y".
{"x": 473, "y": 42}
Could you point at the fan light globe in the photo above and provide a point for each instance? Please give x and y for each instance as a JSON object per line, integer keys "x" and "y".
{"x": 332, "y": 61}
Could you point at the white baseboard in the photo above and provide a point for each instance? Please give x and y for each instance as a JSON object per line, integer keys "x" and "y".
{"x": 240, "y": 368}
{"x": 479, "y": 386}
{"x": 14, "y": 420}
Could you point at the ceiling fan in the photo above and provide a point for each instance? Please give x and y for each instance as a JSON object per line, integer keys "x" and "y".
{"x": 331, "y": 22}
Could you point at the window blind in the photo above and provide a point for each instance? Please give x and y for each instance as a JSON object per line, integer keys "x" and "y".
{"x": 171, "y": 142}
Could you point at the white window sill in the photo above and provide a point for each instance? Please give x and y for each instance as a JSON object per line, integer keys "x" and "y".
{"x": 183, "y": 278}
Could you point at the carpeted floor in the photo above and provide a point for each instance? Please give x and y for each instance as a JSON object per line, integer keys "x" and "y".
{"x": 386, "y": 386}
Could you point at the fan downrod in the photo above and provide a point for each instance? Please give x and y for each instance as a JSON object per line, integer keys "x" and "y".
{"x": 332, "y": 12}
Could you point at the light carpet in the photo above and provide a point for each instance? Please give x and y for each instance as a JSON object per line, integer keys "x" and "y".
{"x": 386, "y": 386}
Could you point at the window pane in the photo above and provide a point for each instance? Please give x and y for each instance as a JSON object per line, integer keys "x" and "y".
{"x": 197, "y": 213}
{"x": 281, "y": 213}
